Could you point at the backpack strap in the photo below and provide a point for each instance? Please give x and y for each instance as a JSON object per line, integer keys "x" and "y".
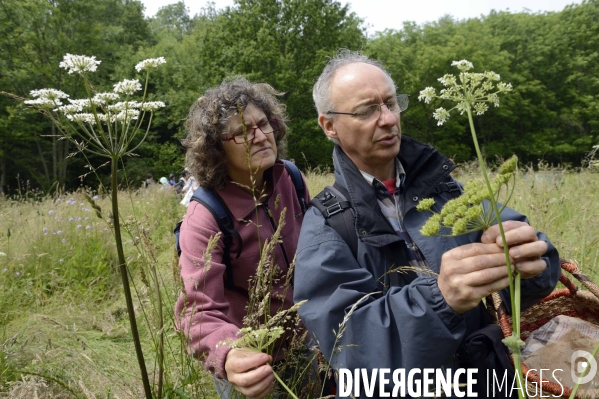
{"x": 333, "y": 204}
{"x": 214, "y": 203}
{"x": 451, "y": 187}
{"x": 298, "y": 182}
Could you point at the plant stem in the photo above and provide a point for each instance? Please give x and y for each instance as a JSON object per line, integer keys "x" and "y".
{"x": 125, "y": 278}
{"x": 161, "y": 336}
{"x": 514, "y": 277}
{"x": 283, "y": 385}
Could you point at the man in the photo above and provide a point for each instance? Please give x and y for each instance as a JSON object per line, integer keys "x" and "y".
{"x": 422, "y": 317}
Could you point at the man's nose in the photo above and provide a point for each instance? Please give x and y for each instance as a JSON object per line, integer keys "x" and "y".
{"x": 386, "y": 117}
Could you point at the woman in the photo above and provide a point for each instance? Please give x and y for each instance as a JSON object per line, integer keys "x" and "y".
{"x": 209, "y": 312}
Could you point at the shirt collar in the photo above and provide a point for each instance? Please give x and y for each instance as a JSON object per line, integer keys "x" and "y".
{"x": 400, "y": 176}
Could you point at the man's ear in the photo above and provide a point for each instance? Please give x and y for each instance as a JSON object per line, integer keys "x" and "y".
{"x": 327, "y": 126}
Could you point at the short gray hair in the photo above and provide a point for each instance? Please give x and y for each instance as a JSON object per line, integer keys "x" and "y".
{"x": 321, "y": 92}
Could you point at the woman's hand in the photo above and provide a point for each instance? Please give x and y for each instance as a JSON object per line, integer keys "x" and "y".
{"x": 250, "y": 372}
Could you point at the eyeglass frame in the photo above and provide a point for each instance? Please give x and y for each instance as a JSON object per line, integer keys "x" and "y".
{"x": 355, "y": 114}
{"x": 274, "y": 123}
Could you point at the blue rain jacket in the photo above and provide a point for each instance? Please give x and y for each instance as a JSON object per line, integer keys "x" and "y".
{"x": 405, "y": 326}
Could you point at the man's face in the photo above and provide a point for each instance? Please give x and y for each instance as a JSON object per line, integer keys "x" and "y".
{"x": 370, "y": 143}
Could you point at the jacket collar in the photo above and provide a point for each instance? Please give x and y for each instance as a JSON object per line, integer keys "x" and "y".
{"x": 240, "y": 202}
{"x": 425, "y": 168}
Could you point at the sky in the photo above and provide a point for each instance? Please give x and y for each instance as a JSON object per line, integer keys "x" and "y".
{"x": 389, "y": 14}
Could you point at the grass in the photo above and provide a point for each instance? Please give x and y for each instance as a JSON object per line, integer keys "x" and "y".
{"x": 64, "y": 331}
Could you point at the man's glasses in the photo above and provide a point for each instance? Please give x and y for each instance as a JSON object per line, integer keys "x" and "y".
{"x": 267, "y": 127}
{"x": 397, "y": 105}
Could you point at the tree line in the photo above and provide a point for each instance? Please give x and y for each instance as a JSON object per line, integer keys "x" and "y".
{"x": 550, "y": 58}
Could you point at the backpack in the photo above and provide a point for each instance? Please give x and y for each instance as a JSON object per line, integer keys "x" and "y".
{"x": 333, "y": 203}
{"x": 210, "y": 199}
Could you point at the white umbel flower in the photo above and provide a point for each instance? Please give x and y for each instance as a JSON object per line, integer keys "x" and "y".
{"x": 79, "y": 63}
{"x": 441, "y": 115}
{"x": 69, "y": 109}
{"x": 463, "y": 65}
{"x": 149, "y": 63}
{"x": 43, "y": 102}
{"x": 123, "y": 105}
{"x": 127, "y": 86}
{"x": 106, "y": 96}
{"x": 427, "y": 94}
{"x": 49, "y": 94}
{"x": 152, "y": 105}
{"x": 126, "y": 116}
{"x": 83, "y": 117}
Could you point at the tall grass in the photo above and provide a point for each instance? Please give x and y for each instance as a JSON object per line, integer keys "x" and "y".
{"x": 63, "y": 324}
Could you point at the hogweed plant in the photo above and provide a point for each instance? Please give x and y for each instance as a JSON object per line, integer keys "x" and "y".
{"x": 110, "y": 125}
{"x": 472, "y": 93}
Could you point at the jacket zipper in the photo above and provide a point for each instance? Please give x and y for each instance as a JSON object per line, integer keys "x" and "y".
{"x": 274, "y": 228}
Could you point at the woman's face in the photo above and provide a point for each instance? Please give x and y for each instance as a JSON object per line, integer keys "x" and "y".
{"x": 262, "y": 149}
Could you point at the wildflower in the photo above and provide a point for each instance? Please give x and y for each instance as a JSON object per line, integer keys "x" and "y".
{"x": 127, "y": 115}
{"x": 106, "y": 96}
{"x": 87, "y": 228}
{"x": 43, "y": 102}
{"x": 79, "y": 226}
{"x": 463, "y": 65}
{"x": 149, "y": 63}
{"x": 480, "y": 108}
{"x": 447, "y": 80}
{"x": 4, "y": 270}
{"x": 83, "y": 117}
{"x": 427, "y": 95}
{"x": 425, "y": 204}
{"x": 79, "y": 63}
{"x": 50, "y": 212}
{"x": 79, "y": 219}
{"x": 17, "y": 274}
{"x": 127, "y": 86}
{"x": 58, "y": 232}
{"x": 95, "y": 198}
{"x": 49, "y": 94}
{"x": 432, "y": 226}
{"x": 69, "y": 109}
{"x": 45, "y": 230}
{"x": 71, "y": 219}
{"x": 85, "y": 210}
{"x": 86, "y": 218}
{"x": 124, "y": 105}
{"x": 152, "y": 105}
{"x": 61, "y": 260}
{"x": 55, "y": 217}
{"x": 64, "y": 240}
{"x": 441, "y": 115}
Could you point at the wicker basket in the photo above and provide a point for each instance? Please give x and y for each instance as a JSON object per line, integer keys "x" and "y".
{"x": 569, "y": 301}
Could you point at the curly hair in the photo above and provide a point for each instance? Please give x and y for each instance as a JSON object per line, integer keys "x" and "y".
{"x": 208, "y": 121}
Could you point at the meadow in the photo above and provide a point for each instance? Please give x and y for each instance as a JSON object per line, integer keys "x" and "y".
{"x": 64, "y": 331}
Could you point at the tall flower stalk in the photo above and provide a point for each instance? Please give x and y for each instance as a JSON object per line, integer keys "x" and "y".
{"x": 109, "y": 125}
{"x": 471, "y": 93}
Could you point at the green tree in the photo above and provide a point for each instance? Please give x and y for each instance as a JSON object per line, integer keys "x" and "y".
{"x": 36, "y": 35}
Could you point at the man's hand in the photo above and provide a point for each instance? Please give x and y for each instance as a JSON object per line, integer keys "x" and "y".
{"x": 525, "y": 248}
{"x": 471, "y": 272}
{"x": 249, "y": 372}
